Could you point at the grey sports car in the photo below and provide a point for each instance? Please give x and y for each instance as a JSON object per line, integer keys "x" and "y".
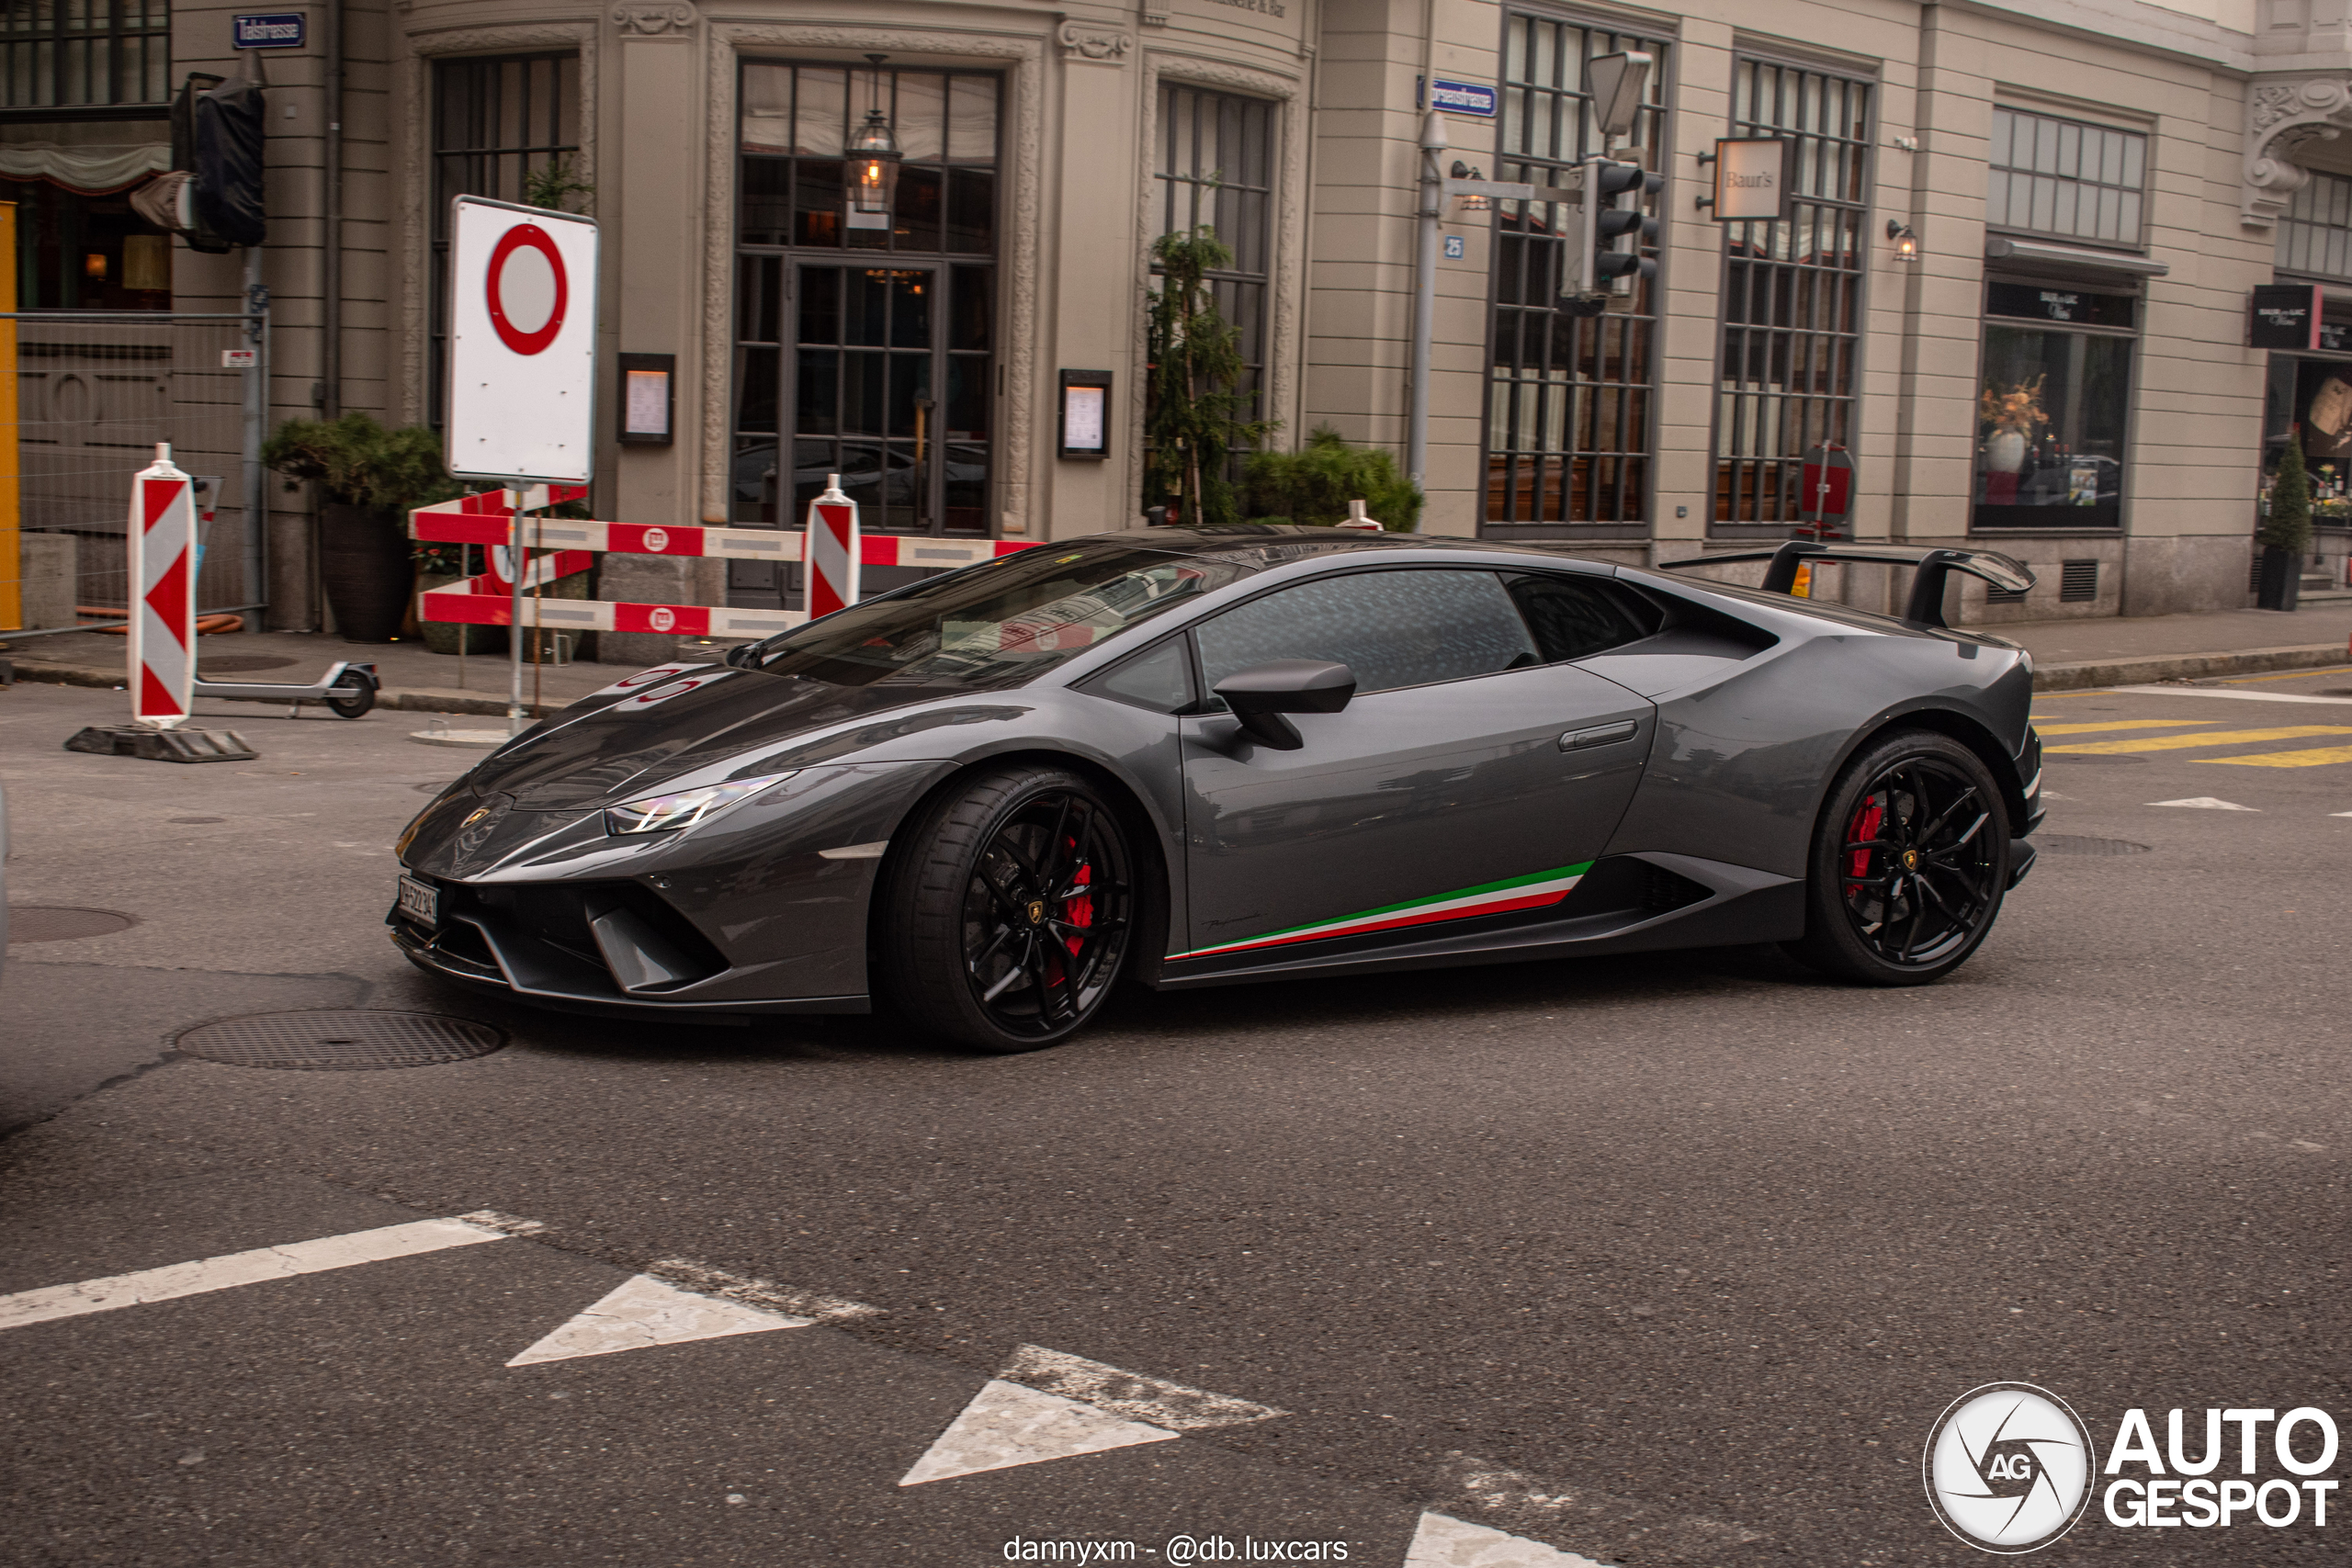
{"x": 1197, "y": 757}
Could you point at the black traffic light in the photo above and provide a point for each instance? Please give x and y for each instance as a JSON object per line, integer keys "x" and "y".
{"x": 1616, "y": 229}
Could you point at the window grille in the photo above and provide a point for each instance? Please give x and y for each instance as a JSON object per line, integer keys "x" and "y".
{"x": 1792, "y": 299}
{"x": 84, "y": 53}
{"x": 2315, "y": 235}
{"x": 1567, "y": 396}
{"x": 1216, "y": 168}
{"x": 2067, "y": 178}
{"x": 496, "y": 122}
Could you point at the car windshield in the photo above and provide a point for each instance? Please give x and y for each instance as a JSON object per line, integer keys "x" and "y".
{"x": 992, "y": 625}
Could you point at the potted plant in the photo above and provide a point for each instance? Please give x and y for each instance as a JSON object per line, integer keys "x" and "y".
{"x": 2286, "y": 534}
{"x": 1314, "y": 484}
{"x": 1192, "y": 404}
{"x": 368, "y": 478}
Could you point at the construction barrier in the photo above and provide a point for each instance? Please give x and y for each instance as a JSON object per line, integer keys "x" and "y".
{"x": 162, "y": 574}
{"x": 488, "y": 599}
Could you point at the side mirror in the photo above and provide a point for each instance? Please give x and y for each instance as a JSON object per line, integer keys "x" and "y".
{"x": 1260, "y": 695}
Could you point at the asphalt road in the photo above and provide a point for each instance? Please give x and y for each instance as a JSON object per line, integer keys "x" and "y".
{"x": 1666, "y": 1260}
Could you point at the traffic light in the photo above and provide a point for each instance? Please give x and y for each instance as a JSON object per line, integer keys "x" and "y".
{"x": 1616, "y": 229}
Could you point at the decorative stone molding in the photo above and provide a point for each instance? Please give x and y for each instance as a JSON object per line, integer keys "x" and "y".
{"x": 653, "y": 21}
{"x": 1093, "y": 43}
{"x": 1286, "y": 343}
{"x": 2283, "y": 115}
{"x": 413, "y": 153}
{"x": 1023, "y": 156}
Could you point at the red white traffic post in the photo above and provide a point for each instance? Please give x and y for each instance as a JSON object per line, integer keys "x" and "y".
{"x": 832, "y": 550}
{"x": 163, "y": 568}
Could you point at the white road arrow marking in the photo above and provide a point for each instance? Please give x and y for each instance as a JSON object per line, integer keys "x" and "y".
{"x": 2206, "y": 803}
{"x": 1442, "y": 1541}
{"x": 645, "y": 1310}
{"x": 1007, "y": 1424}
{"x": 235, "y": 1269}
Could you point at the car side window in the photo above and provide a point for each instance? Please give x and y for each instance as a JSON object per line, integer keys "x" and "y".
{"x": 1400, "y": 627}
{"x": 1575, "y": 617}
{"x": 1159, "y": 679}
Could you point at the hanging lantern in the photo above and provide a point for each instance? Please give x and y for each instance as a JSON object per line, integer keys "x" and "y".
{"x": 873, "y": 162}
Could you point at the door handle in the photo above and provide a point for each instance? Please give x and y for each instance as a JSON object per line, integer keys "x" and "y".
{"x": 1600, "y": 735}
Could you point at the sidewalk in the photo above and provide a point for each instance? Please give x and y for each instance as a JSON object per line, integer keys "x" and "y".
{"x": 2067, "y": 655}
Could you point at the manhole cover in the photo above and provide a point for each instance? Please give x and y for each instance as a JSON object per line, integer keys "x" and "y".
{"x": 339, "y": 1042}
{"x": 238, "y": 665}
{"x": 191, "y": 820}
{"x": 36, "y": 922}
{"x": 2076, "y": 844}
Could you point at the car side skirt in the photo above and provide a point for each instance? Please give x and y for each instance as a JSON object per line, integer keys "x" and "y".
{"x": 1731, "y": 904}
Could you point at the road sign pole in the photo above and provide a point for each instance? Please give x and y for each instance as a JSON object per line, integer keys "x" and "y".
{"x": 516, "y": 570}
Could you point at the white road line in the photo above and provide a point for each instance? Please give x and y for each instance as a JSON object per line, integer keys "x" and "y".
{"x": 2207, "y": 803}
{"x": 644, "y": 1311}
{"x": 790, "y": 1299}
{"x": 1444, "y": 1541}
{"x": 235, "y": 1269}
{"x": 1174, "y": 1406}
{"x": 2233, "y": 696}
{"x": 1007, "y": 1424}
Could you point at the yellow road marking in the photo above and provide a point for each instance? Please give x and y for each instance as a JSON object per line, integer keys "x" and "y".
{"x": 2208, "y": 738}
{"x": 2317, "y": 757}
{"x": 2291, "y": 675}
{"x": 2122, "y": 724}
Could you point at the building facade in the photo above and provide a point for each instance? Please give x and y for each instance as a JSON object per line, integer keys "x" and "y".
{"x": 2012, "y": 281}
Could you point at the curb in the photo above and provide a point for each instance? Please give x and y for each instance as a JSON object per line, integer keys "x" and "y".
{"x": 2185, "y": 666}
{"x": 426, "y": 701}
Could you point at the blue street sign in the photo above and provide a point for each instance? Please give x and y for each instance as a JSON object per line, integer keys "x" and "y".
{"x": 280, "y": 30}
{"x": 1463, "y": 97}
{"x": 1453, "y": 247}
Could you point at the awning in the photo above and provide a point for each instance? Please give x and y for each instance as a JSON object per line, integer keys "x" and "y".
{"x": 2074, "y": 259}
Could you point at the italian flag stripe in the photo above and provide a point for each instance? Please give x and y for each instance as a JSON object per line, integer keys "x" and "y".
{"x": 1531, "y": 891}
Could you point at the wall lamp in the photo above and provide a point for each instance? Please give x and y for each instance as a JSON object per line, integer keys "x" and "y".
{"x": 1473, "y": 202}
{"x": 1906, "y": 243}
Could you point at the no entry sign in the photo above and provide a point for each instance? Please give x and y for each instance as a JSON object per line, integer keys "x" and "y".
{"x": 521, "y": 344}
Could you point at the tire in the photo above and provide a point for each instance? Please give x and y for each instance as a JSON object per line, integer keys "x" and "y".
{"x": 1007, "y": 910}
{"x": 352, "y": 701}
{"x": 1910, "y": 860}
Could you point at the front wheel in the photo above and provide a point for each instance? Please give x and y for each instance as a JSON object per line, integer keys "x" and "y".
{"x": 1910, "y": 859}
{"x": 350, "y": 702}
{"x": 1007, "y": 910}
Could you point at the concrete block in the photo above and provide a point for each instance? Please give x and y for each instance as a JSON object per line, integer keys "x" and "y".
{"x": 45, "y": 572}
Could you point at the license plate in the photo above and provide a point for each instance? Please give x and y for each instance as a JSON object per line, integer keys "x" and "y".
{"x": 421, "y": 902}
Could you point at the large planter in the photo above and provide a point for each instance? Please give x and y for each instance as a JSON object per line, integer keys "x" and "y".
{"x": 454, "y": 637}
{"x": 363, "y": 569}
{"x": 2281, "y": 583}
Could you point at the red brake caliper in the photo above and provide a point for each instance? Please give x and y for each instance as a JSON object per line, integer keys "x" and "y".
{"x": 1079, "y": 909}
{"x": 1865, "y": 826}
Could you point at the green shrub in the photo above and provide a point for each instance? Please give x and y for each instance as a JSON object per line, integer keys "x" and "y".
{"x": 356, "y": 462}
{"x": 1314, "y": 484}
{"x": 2289, "y": 526}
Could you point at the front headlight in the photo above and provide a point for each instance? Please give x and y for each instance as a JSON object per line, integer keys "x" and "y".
{"x": 667, "y": 813}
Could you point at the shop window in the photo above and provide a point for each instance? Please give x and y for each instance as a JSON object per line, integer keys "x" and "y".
{"x": 2315, "y": 234}
{"x": 1567, "y": 396}
{"x": 864, "y": 351}
{"x": 79, "y": 245}
{"x": 61, "y": 53}
{"x": 1792, "y": 295}
{"x": 2052, "y": 404}
{"x": 497, "y": 120}
{"x": 2065, "y": 179}
{"x": 1215, "y": 166}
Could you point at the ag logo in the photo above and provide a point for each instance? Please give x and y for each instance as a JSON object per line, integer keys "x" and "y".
{"x": 2008, "y": 1468}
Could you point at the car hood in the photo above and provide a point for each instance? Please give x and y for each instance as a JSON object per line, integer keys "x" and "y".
{"x": 706, "y": 719}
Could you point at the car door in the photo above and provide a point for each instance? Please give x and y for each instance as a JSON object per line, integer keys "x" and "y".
{"x": 1470, "y": 778}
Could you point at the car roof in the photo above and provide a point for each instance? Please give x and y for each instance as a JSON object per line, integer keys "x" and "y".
{"x": 1275, "y": 544}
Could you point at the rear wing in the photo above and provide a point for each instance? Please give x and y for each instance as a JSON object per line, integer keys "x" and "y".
{"x": 1934, "y": 567}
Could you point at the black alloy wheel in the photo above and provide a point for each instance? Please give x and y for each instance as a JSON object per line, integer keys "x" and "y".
{"x": 1910, "y": 863}
{"x": 1010, "y": 915}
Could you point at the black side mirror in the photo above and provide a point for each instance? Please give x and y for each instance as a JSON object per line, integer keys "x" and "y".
{"x": 1260, "y": 695}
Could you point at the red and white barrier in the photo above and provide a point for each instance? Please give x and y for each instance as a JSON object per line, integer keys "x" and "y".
{"x": 163, "y": 568}
{"x": 487, "y": 600}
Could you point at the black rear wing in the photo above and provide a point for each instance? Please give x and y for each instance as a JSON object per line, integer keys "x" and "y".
{"x": 1934, "y": 567}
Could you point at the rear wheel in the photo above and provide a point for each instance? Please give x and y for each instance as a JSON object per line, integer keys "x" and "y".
{"x": 1007, "y": 911}
{"x": 350, "y": 702}
{"x": 1910, "y": 859}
